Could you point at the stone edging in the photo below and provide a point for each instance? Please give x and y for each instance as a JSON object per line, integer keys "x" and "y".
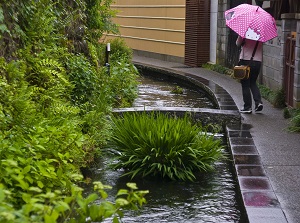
{"x": 260, "y": 201}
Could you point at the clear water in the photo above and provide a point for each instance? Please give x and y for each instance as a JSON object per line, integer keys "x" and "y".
{"x": 158, "y": 93}
{"x": 212, "y": 198}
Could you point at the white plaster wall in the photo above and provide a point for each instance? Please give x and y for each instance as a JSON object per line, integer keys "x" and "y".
{"x": 266, "y": 4}
{"x": 213, "y": 30}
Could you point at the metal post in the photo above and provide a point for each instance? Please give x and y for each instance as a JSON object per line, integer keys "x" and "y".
{"x": 107, "y": 58}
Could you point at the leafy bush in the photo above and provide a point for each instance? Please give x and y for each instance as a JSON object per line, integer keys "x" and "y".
{"x": 83, "y": 76}
{"x": 57, "y": 207}
{"x": 120, "y": 51}
{"x": 45, "y": 138}
{"x": 122, "y": 80}
{"x": 34, "y": 140}
{"x": 99, "y": 18}
{"x": 123, "y": 83}
{"x": 158, "y": 145}
{"x": 40, "y": 154}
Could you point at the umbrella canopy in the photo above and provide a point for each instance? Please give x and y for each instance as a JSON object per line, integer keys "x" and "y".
{"x": 251, "y": 22}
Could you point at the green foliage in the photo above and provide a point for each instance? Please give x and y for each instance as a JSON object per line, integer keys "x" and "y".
{"x": 83, "y": 76}
{"x": 286, "y": 113}
{"x": 158, "y": 145}
{"x": 294, "y": 115}
{"x": 51, "y": 85}
{"x": 99, "y": 18}
{"x": 295, "y": 123}
{"x": 41, "y": 153}
{"x": 120, "y": 51}
{"x": 123, "y": 74}
{"x": 54, "y": 100}
{"x": 177, "y": 90}
{"x": 3, "y": 27}
{"x": 218, "y": 68}
{"x": 91, "y": 95}
{"x": 125, "y": 199}
{"x": 11, "y": 30}
{"x": 56, "y": 207}
{"x": 32, "y": 139}
{"x": 123, "y": 83}
{"x": 277, "y": 98}
{"x": 39, "y": 26}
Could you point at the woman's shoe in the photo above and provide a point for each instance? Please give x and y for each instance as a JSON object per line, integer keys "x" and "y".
{"x": 259, "y": 107}
{"x": 246, "y": 111}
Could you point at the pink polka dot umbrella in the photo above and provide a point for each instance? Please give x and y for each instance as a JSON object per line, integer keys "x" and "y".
{"x": 251, "y": 22}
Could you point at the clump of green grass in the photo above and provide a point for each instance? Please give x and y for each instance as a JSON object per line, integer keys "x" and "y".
{"x": 158, "y": 145}
{"x": 295, "y": 123}
{"x": 294, "y": 115}
{"x": 275, "y": 97}
{"x": 218, "y": 68}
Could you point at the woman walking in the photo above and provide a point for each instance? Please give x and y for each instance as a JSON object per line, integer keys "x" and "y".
{"x": 249, "y": 49}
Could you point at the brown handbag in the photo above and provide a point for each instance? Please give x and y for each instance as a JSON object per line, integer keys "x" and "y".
{"x": 242, "y": 72}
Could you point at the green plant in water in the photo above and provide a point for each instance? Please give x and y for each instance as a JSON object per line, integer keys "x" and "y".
{"x": 162, "y": 146}
{"x": 177, "y": 90}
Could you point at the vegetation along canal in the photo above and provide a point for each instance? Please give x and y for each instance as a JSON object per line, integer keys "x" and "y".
{"x": 213, "y": 197}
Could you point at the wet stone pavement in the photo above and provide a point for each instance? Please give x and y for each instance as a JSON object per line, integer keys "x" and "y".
{"x": 259, "y": 199}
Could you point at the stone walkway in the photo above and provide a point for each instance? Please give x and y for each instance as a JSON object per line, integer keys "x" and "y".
{"x": 266, "y": 156}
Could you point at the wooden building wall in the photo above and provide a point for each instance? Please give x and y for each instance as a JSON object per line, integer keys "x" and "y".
{"x": 153, "y": 26}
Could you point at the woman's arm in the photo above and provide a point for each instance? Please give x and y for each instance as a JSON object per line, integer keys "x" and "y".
{"x": 239, "y": 41}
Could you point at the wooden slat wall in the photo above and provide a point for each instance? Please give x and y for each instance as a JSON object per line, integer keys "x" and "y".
{"x": 156, "y": 26}
{"x": 197, "y": 34}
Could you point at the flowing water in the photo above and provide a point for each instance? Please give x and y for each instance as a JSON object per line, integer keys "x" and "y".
{"x": 211, "y": 198}
{"x": 158, "y": 93}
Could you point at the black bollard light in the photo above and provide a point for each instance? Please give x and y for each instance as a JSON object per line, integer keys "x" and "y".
{"x": 107, "y": 58}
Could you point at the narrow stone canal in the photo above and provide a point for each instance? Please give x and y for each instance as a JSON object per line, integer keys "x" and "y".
{"x": 213, "y": 197}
